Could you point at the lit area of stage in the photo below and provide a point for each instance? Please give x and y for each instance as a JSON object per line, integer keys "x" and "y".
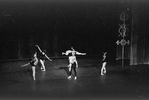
{"x": 120, "y": 83}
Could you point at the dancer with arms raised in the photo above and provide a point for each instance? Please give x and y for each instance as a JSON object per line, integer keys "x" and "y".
{"x": 42, "y": 58}
{"x": 72, "y": 61}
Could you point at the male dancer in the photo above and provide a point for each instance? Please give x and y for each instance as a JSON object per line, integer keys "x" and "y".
{"x": 33, "y": 63}
{"x": 42, "y": 58}
{"x": 72, "y": 61}
{"x": 103, "y": 69}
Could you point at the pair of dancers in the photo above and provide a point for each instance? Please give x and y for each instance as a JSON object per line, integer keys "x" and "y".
{"x": 34, "y": 61}
{"x": 73, "y": 64}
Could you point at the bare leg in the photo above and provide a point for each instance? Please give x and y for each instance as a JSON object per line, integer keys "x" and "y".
{"x": 103, "y": 69}
{"x": 42, "y": 65}
{"x": 74, "y": 68}
{"x": 70, "y": 70}
{"x": 33, "y": 70}
{"x": 76, "y": 64}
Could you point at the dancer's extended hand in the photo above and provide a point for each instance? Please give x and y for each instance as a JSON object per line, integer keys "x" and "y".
{"x": 63, "y": 53}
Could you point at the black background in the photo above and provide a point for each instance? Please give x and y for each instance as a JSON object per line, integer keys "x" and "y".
{"x": 89, "y": 26}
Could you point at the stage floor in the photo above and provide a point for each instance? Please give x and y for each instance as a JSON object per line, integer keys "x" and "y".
{"x": 120, "y": 83}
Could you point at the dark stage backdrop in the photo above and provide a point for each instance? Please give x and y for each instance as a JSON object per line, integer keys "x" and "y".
{"x": 137, "y": 52}
{"x": 56, "y": 25}
{"x": 140, "y": 37}
{"x": 89, "y": 26}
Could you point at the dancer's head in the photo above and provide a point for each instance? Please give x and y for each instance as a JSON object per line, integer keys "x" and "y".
{"x": 44, "y": 51}
{"x": 72, "y": 48}
{"x": 35, "y": 54}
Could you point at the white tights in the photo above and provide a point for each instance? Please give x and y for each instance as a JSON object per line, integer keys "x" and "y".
{"x": 103, "y": 69}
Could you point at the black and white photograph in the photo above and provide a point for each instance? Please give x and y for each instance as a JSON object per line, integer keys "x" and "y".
{"x": 74, "y": 50}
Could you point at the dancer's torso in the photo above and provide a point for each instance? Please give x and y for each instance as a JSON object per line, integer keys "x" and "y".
{"x": 42, "y": 56}
{"x": 72, "y": 57}
{"x": 104, "y": 60}
{"x": 34, "y": 62}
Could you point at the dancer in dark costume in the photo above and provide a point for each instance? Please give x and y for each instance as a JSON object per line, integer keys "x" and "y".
{"x": 42, "y": 58}
{"x": 104, "y": 62}
{"x": 33, "y": 63}
{"x": 72, "y": 61}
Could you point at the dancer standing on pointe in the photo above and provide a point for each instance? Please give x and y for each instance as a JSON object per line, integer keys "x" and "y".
{"x": 33, "y": 63}
{"x": 72, "y": 61}
{"x": 42, "y": 58}
{"x": 104, "y": 62}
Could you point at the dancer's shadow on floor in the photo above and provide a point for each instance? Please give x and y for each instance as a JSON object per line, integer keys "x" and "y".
{"x": 65, "y": 69}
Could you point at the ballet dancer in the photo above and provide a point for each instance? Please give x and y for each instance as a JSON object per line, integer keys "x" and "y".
{"x": 72, "y": 61}
{"x": 42, "y": 58}
{"x": 104, "y": 62}
{"x": 33, "y": 63}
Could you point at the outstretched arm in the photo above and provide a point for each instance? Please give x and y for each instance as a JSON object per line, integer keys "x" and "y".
{"x": 38, "y": 48}
{"x": 67, "y": 52}
{"x": 63, "y": 53}
{"x": 48, "y": 58}
{"x": 78, "y": 53}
